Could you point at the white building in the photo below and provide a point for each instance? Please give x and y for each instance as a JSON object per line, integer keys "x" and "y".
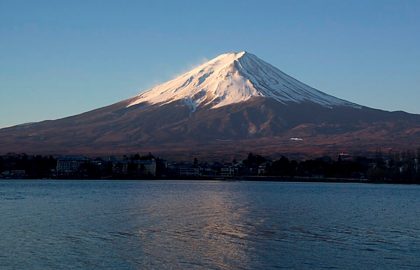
{"x": 68, "y": 165}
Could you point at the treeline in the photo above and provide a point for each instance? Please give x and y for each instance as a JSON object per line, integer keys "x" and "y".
{"x": 23, "y": 166}
{"x": 402, "y": 167}
{"x": 28, "y": 166}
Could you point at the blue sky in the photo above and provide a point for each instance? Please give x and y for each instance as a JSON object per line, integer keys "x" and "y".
{"x": 59, "y": 58}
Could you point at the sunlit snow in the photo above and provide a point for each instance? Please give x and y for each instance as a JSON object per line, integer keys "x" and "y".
{"x": 233, "y": 78}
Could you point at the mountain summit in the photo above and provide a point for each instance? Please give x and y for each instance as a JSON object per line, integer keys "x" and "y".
{"x": 233, "y": 78}
{"x": 233, "y": 104}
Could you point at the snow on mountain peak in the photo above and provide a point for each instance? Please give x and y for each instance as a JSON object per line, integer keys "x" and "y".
{"x": 233, "y": 78}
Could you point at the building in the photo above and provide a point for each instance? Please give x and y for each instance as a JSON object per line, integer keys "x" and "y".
{"x": 188, "y": 171}
{"x": 140, "y": 167}
{"x": 262, "y": 169}
{"x": 13, "y": 174}
{"x": 228, "y": 171}
{"x": 147, "y": 167}
{"x": 70, "y": 165}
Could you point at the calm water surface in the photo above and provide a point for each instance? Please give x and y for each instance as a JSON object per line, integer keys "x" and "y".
{"x": 207, "y": 225}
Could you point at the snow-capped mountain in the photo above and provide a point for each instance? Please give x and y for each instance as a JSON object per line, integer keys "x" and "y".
{"x": 233, "y": 78}
{"x": 233, "y": 104}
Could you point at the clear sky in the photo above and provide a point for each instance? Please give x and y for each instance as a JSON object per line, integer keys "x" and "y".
{"x": 59, "y": 58}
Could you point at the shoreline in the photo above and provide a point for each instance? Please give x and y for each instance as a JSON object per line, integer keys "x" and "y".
{"x": 296, "y": 179}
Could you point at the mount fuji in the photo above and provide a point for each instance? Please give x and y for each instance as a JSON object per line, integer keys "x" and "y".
{"x": 230, "y": 105}
{"x": 233, "y": 78}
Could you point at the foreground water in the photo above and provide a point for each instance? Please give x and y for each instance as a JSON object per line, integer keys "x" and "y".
{"x": 211, "y": 225}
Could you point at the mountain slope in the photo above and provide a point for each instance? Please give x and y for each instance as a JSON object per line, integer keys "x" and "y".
{"x": 233, "y": 78}
{"x": 228, "y": 106}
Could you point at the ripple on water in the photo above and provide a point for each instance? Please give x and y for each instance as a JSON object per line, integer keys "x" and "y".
{"x": 211, "y": 225}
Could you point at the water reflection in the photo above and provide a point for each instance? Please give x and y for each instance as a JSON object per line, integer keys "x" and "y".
{"x": 206, "y": 227}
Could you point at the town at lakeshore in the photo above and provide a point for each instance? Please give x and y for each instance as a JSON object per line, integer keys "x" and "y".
{"x": 401, "y": 167}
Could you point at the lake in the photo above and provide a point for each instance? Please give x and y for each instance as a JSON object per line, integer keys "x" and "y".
{"x": 207, "y": 225}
